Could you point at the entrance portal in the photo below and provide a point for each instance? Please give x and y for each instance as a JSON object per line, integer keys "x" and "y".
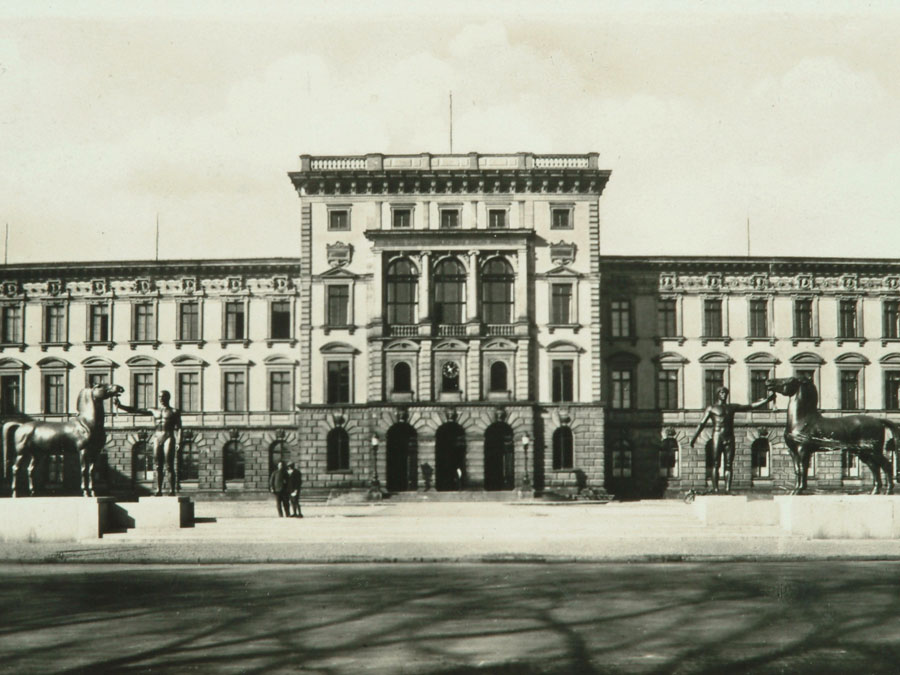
{"x": 402, "y": 458}
{"x": 499, "y": 465}
{"x": 450, "y": 457}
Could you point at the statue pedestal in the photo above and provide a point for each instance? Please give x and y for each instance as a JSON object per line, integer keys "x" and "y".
{"x": 155, "y": 513}
{"x": 37, "y": 519}
{"x": 841, "y": 516}
{"x": 736, "y": 510}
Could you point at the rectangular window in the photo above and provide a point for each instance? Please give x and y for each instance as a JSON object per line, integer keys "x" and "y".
{"x": 280, "y": 398}
{"x": 54, "y": 323}
{"x": 849, "y": 390}
{"x": 338, "y": 305}
{"x": 713, "y": 380}
{"x": 54, "y": 393}
{"x": 666, "y": 317}
{"x": 803, "y": 318}
{"x": 561, "y": 304}
{"x": 339, "y": 219}
{"x": 401, "y": 219}
{"x": 338, "y": 384}
{"x": 563, "y": 380}
{"x": 235, "y": 391}
{"x": 12, "y": 324}
{"x": 759, "y": 458}
{"x": 847, "y": 327}
{"x": 93, "y": 379}
{"x": 712, "y": 318}
{"x": 188, "y": 392}
{"x": 620, "y": 318}
{"x": 235, "y": 328}
{"x": 561, "y": 219}
{"x": 667, "y": 389}
{"x": 449, "y": 219}
{"x": 144, "y": 327}
{"x": 759, "y": 318}
{"x": 891, "y": 319}
{"x": 892, "y": 390}
{"x": 758, "y": 389}
{"x": 280, "y": 320}
{"x": 10, "y": 395}
{"x": 189, "y": 321}
{"x": 98, "y": 328}
{"x": 622, "y": 392}
{"x": 497, "y": 219}
{"x": 144, "y": 394}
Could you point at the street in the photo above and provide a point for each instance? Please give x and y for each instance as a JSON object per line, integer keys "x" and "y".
{"x": 452, "y": 618}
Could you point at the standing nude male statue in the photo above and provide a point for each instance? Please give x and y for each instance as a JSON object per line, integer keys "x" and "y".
{"x": 167, "y": 423}
{"x": 722, "y": 415}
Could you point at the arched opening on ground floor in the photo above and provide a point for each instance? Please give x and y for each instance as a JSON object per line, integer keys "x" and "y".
{"x": 450, "y": 457}
{"x": 499, "y": 464}
{"x": 402, "y": 458}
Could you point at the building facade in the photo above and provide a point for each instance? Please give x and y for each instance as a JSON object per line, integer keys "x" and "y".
{"x": 448, "y": 323}
{"x": 677, "y": 329}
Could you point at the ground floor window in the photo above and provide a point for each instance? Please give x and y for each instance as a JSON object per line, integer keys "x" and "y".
{"x": 563, "y": 449}
{"x": 338, "y": 450}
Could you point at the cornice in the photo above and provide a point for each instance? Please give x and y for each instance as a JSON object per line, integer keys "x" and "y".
{"x": 428, "y": 239}
{"x": 130, "y": 269}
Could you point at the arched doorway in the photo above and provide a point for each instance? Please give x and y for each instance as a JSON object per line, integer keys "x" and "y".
{"x": 450, "y": 457}
{"x": 402, "y": 458}
{"x": 499, "y": 464}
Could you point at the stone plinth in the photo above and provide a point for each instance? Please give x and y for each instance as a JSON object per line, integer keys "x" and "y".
{"x": 54, "y": 518}
{"x": 735, "y": 510}
{"x": 156, "y": 513}
{"x": 841, "y": 516}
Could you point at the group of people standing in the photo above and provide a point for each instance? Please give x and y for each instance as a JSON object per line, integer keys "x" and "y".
{"x": 285, "y": 484}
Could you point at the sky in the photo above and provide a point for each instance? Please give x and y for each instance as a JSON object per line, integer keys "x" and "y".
{"x": 710, "y": 116}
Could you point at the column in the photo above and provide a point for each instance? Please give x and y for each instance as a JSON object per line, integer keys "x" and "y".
{"x": 522, "y": 285}
{"x": 424, "y": 303}
{"x": 375, "y": 320}
{"x": 473, "y": 320}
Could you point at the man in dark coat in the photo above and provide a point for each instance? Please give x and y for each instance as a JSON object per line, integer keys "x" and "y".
{"x": 280, "y": 487}
{"x": 295, "y": 481}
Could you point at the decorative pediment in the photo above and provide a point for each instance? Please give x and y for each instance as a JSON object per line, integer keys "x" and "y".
{"x": 451, "y": 345}
{"x": 233, "y": 360}
{"x": 53, "y": 362}
{"x": 339, "y": 254}
{"x": 10, "y": 363}
{"x": 892, "y": 359}
{"x": 852, "y": 359}
{"x": 188, "y": 360}
{"x": 402, "y": 346}
{"x": 808, "y": 359}
{"x": 337, "y": 273}
{"x": 762, "y": 358}
{"x": 670, "y": 358}
{"x": 143, "y": 362}
{"x": 564, "y": 346}
{"x": 562, "y": 253}
{"x": 279, "y": 360}
{"x": 499, "y": 346}
{"x": 563, "y": 271}
{"x": 98, "y": 362}
{"x": 716, "y": 357}
{"x": 338, "y": 348}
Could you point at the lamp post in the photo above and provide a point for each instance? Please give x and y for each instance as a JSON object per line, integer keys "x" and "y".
{"x": 375, "y": 483}
{"x": 526, "y": 479}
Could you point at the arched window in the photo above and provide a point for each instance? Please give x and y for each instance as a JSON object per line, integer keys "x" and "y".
{"x": 668, "y": 458}
{"x": 497, "y": 281}
{"x": 498, "y": 376}
{"x": 234, "y": 461}
{"x": 450, "y": 292}
{"x": 402, "y": 378}
{"x": 278, "y": 452}
{"x": 402, "y": 282}
{"x": 190, "y": 468}
{"x": 562, "y": 449}
{"x": 338, "y": 450}
{"x": 142, "y": 461}
{"x": 759, "y": 457}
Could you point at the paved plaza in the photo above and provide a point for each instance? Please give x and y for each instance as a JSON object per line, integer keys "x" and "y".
{"x": 228, "y": 532}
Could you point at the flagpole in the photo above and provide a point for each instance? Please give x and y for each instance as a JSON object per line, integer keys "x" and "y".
{"x": 157, "y": 236}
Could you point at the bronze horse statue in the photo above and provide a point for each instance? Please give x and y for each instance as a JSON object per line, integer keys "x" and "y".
{"x": 808, "y": 431}
{"x": 85, "y": 434}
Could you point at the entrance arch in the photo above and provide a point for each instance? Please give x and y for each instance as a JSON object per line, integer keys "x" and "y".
{"x": 450, "y": 457}
{"x": 402, "y": 458}
{"x": 499, "y": 458}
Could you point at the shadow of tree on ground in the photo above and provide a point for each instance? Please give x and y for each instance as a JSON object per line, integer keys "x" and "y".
{"x": 452, "y": 618}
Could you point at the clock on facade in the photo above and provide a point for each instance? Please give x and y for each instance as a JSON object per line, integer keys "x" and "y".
{"x": 450, "y": 370}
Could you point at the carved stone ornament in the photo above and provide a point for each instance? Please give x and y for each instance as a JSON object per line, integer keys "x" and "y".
{"x": 189, "y": 285}
{"x": 235, "y": 284}
{"x": 759, "y": 282}
{"x": 805, "y": 281}
{"x": 848, "y": 282}
{"x": 98, "y": 286}
{"x": 54, "y": 287}
{"x": 667, "y": 281}
{"x": 339, "y": 254}
{"x": 670, "y": 432}
{"x": 403, "y": 415}
{"x": 562, "y": 253}
{"x": 280, "y": 284}
{"x": 714, "y": 280}
{"x": 892, "y": 282}
{"x": 142, "y": 285}
{"x": 339, "y": 420}
{"x": 500, "y": 414}
{"x": 10, "y": 288}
